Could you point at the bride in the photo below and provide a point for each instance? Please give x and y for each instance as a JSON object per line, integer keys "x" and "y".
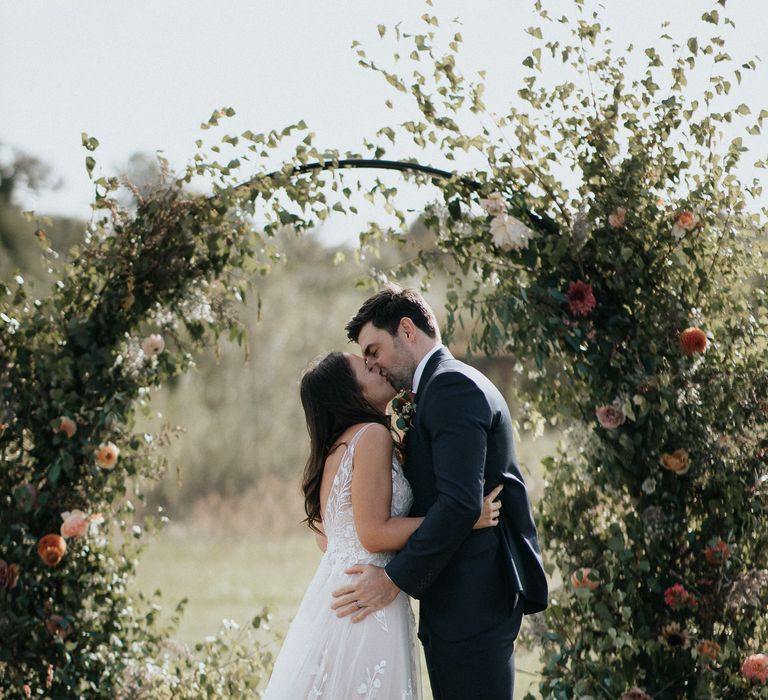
{"x": 357, "y": 501}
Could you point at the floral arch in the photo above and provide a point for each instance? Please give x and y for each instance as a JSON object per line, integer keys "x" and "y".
{"x": 635, "y": 299}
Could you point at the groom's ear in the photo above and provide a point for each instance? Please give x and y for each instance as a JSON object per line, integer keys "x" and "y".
{"x": 408, "y": 329}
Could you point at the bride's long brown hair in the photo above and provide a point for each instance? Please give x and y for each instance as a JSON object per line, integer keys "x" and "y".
{"x": 332, "y": 402}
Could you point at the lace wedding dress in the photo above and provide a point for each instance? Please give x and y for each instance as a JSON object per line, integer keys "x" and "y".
{"x": 327, "y": 657}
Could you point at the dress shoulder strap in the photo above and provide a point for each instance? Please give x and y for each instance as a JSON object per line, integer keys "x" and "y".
{"x": 357, "y": 435}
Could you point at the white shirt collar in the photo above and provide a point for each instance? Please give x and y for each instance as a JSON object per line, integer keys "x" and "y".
{"x": 420, "y": 367}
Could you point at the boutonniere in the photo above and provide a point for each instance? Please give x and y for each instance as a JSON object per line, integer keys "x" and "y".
{"x": 404, "y": 408}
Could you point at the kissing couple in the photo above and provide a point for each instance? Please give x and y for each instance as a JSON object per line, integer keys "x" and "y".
{"x": 449, "y": 523}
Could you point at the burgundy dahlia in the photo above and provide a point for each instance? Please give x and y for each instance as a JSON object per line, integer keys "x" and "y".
{"x": 581, "y": 298}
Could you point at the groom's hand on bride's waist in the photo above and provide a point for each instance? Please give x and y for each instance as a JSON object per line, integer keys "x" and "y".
{"x": 372, "y": 590}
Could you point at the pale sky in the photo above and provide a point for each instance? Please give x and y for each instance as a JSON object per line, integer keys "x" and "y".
{"x": 141, "y": 75}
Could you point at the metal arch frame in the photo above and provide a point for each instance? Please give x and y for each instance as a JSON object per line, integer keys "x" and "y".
{"x": 542, "y": 220}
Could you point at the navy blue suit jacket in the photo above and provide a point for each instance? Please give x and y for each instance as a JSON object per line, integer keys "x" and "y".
{"x": 460, "y": 447}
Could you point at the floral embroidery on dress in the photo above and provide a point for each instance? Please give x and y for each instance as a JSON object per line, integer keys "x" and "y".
{"x": 381, "y": 618}
{"x": 372, "y": 684}
{"x": 317, "y": 686}
{"x": 408, "y": 693}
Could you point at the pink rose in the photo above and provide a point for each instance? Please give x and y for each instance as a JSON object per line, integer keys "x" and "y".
{"x": 68, "y": 426}
{"x": 755, "y": 668}
{"x": 75, "y": 523}
{"x": 610, "y": 417}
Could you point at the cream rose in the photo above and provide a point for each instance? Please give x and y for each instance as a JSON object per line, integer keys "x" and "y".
{"x": 509, "y": 233}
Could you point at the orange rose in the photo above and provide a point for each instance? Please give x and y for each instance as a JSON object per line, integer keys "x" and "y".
{"x": 67, "y": 425}
{"x": 107, "y": 455}
{"x": 687, "y": 220}
{"x": 693, "y": 340}
{"x": 676, "y": 462}
{"x": 581, "y": 579}
{"x": 709, "y": 649}
{"x": 51, "y": 549}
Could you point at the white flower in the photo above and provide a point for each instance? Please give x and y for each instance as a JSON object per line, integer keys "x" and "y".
{"x": 509, "y": 233}
{"x": 495, "y": 204}
{"x": 153, "y": 345}
{"x": 649, "y": 485}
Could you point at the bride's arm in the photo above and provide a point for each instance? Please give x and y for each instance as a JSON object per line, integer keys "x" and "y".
{"x": 377, "y": 530}
{"x": 372, "y": 494}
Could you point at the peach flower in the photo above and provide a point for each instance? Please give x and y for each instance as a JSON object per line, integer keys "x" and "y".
{"x": 153, "y": 345}
{"x": 617, "y": 219}
{"x": 67, "y": 425}
{"x": 755, "y": 668}
{"x": 687, "y": 221}
{"x": 107, "y": 455}
{"x": 693, "y": 341}
{"x": 610, "y": 417}
{"x": 676, "y": 462}
{"x": 51, "y": 549}
{"x": 75, "y": 523}
{"x": 581, "y": 579}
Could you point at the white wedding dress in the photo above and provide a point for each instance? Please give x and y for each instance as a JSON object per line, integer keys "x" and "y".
{"x": 327, "y": 657}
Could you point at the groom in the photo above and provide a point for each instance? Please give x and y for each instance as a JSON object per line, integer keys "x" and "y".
{"x": 474, "y": 585}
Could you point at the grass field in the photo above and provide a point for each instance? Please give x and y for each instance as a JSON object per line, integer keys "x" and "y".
{"x": 226, "y": 577}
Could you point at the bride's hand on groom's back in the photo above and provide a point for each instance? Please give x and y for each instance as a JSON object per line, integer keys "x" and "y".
{"x": 491, "y": 510}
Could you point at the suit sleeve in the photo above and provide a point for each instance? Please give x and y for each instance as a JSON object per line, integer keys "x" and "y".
{"x": 456, "y": 417}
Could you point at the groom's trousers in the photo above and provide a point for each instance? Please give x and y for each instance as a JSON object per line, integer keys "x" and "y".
{"x": 479, "y": 668}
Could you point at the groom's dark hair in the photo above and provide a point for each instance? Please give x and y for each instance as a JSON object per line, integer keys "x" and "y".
{"x": 386, "y": 308}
